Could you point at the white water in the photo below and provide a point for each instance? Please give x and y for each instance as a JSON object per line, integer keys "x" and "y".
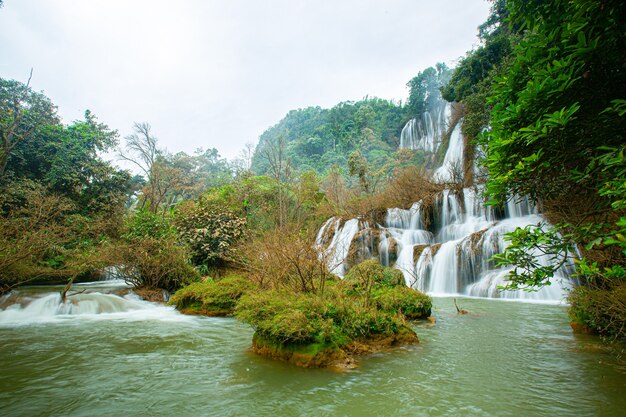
{"x": 337, "y": 251}
{"x": 453, "y": 160}
{"x": 459, "y": 244}
{"x": 48, "y": 307}
{"x": 424, "y": 132}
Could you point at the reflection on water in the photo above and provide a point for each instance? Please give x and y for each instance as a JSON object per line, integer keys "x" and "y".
{"x": 504, "y": 359}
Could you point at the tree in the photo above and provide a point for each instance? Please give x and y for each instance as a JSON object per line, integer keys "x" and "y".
{"x": 281, "y": 170}
{"x": 210, "y": 231}
{"x": 424, "y": 89}
{"x": 143, "y": 152}
{"x": 357, "y": 166}
{"x": 551, "y": 108}
{"x": 335, "y": 188}
{"x": 23, "y": 113}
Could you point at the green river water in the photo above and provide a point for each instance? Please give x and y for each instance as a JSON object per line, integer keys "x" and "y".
{"x": 503, "y": 359}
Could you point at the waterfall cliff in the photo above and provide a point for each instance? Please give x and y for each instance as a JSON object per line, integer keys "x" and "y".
{"x": 445, "y": 248}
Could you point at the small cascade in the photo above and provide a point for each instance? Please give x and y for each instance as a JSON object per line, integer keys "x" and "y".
{"x": 424, "y": 132}
{"x": 19, "y": 309}
{"x": 336, "y": 252}
{"x": 453, "y": 160}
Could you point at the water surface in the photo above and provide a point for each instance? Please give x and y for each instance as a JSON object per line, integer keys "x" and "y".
{"x": 503, "y": 359}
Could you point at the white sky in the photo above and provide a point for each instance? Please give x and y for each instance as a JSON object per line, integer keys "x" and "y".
{"x": 217, "y": 73}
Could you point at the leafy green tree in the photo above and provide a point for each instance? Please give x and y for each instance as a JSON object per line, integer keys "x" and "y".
{"x": 424, "y": 89}
{"x": 23, "y": 114}
{"x": 210, "y": 231}
{"x": 357, "y": 166}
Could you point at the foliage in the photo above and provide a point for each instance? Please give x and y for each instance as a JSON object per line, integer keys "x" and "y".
{"x": 150, "y": 254}
{"x": 209, "y": 230}
{"x": 357, "y": 166}
{"x": 41, "y": 239}
{"x": 370, "y": 275}
{"x": 424, "y": 89}
{"x": 153, "y": 263}
{"x": 474, "y": 70}
{"x": 285, "y": 259}
{"x": 212, "y": 297}
{"x": 537, "y": 252}
{"x": 553, "y": 97}
{"x": 23, "y": 114}
{"x": 602, "y": 310}
{"x": 385, "y": 288}
{"x": 145, "y": 224}
{"x": 402, "y": 300}
{"x": 170, "y": 178}
{"x": 552, "y": 75}
{"x": 31, "y": 232}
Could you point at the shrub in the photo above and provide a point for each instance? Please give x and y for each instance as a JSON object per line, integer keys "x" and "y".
{"x": 285, "y": 259}
{"x": 601, "y": 310}
{"x": 212, "y": 297}
{"x": 41, "y": 240}
{"x": 411, "y": 303}
{"x": 371, "y": 274}
{"x": 144, "y": 224}
{"x": 210, "y": 231}
{"x": 157, "y": 263}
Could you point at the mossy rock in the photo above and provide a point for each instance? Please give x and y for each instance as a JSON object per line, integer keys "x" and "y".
{"x": 371, "y": 274}
{"x": 212, "y": 298}
{"x": 410, "y": 303}
{"x": 312, "y": 355}
{"x": 309, "y": 329}
{"x": 320, "y": 355}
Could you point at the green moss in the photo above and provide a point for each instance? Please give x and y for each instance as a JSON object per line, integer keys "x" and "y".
{"x": 334, "y": 319}
{"x": 411, "y": 303}
{"x": 311, "y": 349}
{"x": 212, "y": 297}
{"x": 371, "y": 274}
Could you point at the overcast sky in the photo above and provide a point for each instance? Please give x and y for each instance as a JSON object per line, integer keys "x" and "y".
{"x": 217, "y": 73}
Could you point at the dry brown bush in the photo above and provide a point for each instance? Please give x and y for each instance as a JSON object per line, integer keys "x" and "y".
{"x": 408, "y": 186}
{"x": 283, "y": 258}
{"x": 603, "y": 310}
{"x": 31, "y": 230}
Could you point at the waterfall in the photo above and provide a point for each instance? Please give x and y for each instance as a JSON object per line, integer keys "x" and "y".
{"x": 451, "y": 255}
{"x": 454, "y": 252}
{"x": 337, "y": 251}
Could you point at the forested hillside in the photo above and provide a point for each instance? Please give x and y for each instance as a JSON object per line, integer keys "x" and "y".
{"x": 315, "y": 139}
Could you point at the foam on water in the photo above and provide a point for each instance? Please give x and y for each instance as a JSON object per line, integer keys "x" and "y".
{"x": 49, "y": 308}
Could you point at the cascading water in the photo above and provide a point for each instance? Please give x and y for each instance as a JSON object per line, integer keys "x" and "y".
{"x": 342, "y": 236}
{"x": 450, "y": 254}
{"x": 424, "y": 132}
{"x": 453, "y": 161}
{"x": 17, "y": 309}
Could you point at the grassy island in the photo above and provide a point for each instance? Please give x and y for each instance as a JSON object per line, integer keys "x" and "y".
{"x": 368, "y": 311}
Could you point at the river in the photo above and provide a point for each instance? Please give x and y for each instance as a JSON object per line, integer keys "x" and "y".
{"x": 140, "y": 359}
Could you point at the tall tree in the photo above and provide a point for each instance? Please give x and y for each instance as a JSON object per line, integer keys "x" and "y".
{"x": 23, "y": 113}
{"x": 143, "y": 152}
